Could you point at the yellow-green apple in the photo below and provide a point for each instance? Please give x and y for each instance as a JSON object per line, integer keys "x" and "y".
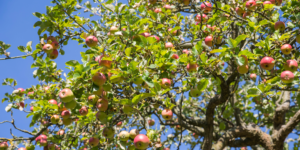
{"x": 102, "y": 104}
{"x": 66, "y": 95}
{"x": 113, "y": 29}
{"x": 166, "y": 83}
{"x": 209, "y": 41}
{"x": 168, "y": 45}
{"x": 48, "y": 48}
{"x": 67, "y": 121}
{"x": 287, "y": 77}
{"x": 276, "y": 2}
{"x": 83, "y": 111}
{"x": 54, "y": 54}
{"x": 243, "y": 69}
{"x": 46, "y": 89}
{"x": 133, "y": 133}
{"x": 151, "y": 122}
{"x": 71, "y": 104}
{"x": 102, "y": 117}
{"x": 253, "y": 77}
{"x": 191, "y": 67}
{"x": 92, "y": 99}
{"x": 52, "y": 101}
{"x": 174, "y": 56}
{"x": 251, "y": 5}
{"x": 54, "y": 119}
{"x": 108, "y": 132}
{"x": 61, "y": 107}
{"x": 194, "y": 92}
{"x": 286, "y": 49}
{"x": 91, "y": 41}
{"x": 205, "y": 7}
{"x": 167, "y": 114}
{"x": 99, "y": 78}
{"x": 52, "y": 38}
{"x": 298, "y": 38}
{"x": 291, "y": 65}
{"x": 30, "y": 95}
{"x": 267, "y": 63}
{"x": 240, "y": 11}
{"x": 65, "y": 114}
{"x": 141, "y": 141}
{"x": 93, "y": 141}
{"x": 127, "y": 109}
{"x": 138, "y": 80}
{"x": 123, "y": 136}
{"x": 279, "y": 25}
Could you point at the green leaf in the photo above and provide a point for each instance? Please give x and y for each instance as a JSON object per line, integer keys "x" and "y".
{"x": 274, "y": 80}
{"x": 222, "y": 126}
{"x": 72, "y": 63}
{"x": 240, "y": 38}
{"x": 241, "y": 61}
{"x": 203, "y": 57}
{"x": 136, "y": 99}
{"x": 291, "y": 25}
{"x": 231, "y": 42}
{"x": 218, "y": 50}
{"x": 202, "y": 84}
{"x": 22, "y": 48}
{"x": 128, "y": 51}
{"x": 263, "y": 22}
{"x": 110, "y": 7}
{"x": 253, "y": 92}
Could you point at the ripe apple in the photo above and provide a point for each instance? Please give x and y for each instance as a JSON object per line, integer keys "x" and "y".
{"x": 244, "y": 148}
{"x": 151, "y": 122}
{"x": 267, "y": 2}
{"x": 279, "y": 25}
{"x": 113, "y": 29}
{"x": 20, "y": 104}
{"x": 167, "y": 6}
{"x": 267, "y": 63}
{"x": 54, "y": 54}
{"x": 55, "y": 44}
{"x": 93, "y": 141}
{"x": 60, "y": 132}
{"x": 71, "y": 105}
{"x": 157, "y": 10}
{"x": 65, "y": 114}
{"x": 191, "y": 67}
{"x": 206, "y": 7}
{"x": 52, "y": 101}
{"x": 108, "y": 132}
{"x": 99, "y": 78}
{"x": 102, "y": 104}
{"x": 200, "y": 18}
{"x": 119, "y": 124}
{"x": 83, "y": 111}
{"x": 19, "y": 91}
{"x": 48, "y": 48}
{"x": 287, "y": 77}
{"x": 123, "y": 136}
{"x": 167, "y": 148}
{"x": 31, "y": 108}
{"x": 3, "y": 145}
{"x": 127, "y": 109}
{"x": 243, "y": 69}
{"x": 145, "y": 34}
{"x": 133, "y": 133}
{"x": 105, "y": 63}
{"x": 102, "y": 117}
{"x": 251, "y": 5}
{"x": 175, "y": 56}
{"x": 92, "y": 99}
{"x": 30, "y": 95}
{"x": 209, "y": 41}
{"x": 67, "y": 121}
{"x": 194, "y": 92}
{"x": 46, "y": 89}
{"x": 186, "y": 51}
{"x": 276, "y": 2}
{"x": 167, "y": 114}
{"x": 239, "y": 11}
{"x": 166, "y": 83}
{"x": 66, "y": 95}
{"x": 91, "y": 41}
{"x": 253, "y": 77}
{"x": 141, "y": 141}
{"x": 156, "y": 37}
{"x": 291, "y": 65}
{"x": 52, "y": 38}
{"x": 174, "y": 32}
{"x": 286, "y": 49}
{"x": 55, "y": 119}
{"x": 168, "y": 45}
{"x": 22, "y": 148}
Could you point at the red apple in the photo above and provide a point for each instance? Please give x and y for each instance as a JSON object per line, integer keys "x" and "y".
{"x": 246, "y": 14}
{"x": 91, "y": 41}
{"x": 52, "y": 101}
{"x": 175, "y": 56}
{"x": 253, "y": 77}
{"x": 22, "y": 148}
{"x": 167, "y": 114}
{"x": 60, "y": 132}
{"x": 52, "y": 38}
{"x": 206, "y": 7}
{"x": 92, "y": 99}
{"x": 167, "y": 148}
{"x": 48, "y": 48}
{"x": 65, "y": 114}
{"x": 151, "y": 122}
{"x": 54, "y": 119}
{"x": 19, "y": 91}
{"x": 165, "y": 83}
{"x": 20, "y": 104}
{"x": 66, "y": 95}
{"x": 279, "y": 25}
{"x": 123, "y": 136}
{"x": 3, "y": 145}
{"x": 133, "y": 133}
{"x": 102, "y": 104}
{"x": 146, "y": 34}
{"x": 99, "y": 78}
{"x": 54, "y": 54}
{"x": 286, "y": 49}
{"x": 31, "y": 108}
{"x": 251, "y": 5}
{"x": 174, "y": 32}
{"x": 244, "y": 148}
{"x": 46, "y": 88}
{"x": 167, "y": 6}
{"x": 191, "y": 67}
{"x": 291, "y": 65}
{"x": 200, "y": 18}
{"x": 30, "y": 95}
{"x": 186, "y": 51}
{"x": 119, "y": 124}
{"x": 113, "y": 29}
{"x": 267, "y": 2}
{"x": 61, "y": 107}
{"x": 168, "y": 45}
{"x": 141, "y": 141}
{"x": 93, "y": 141}
{"x": 83, "y": 111}
{"x": 55, "y": 44}
{"x": 209, "y": 41}
{"x": 106, "y": 63}
{"x": 287, "y": 77}
{"x": 267, "y": 63}
{"x": 157, "y": 10}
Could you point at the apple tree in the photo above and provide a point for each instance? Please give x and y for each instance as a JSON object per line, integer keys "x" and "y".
{"x": 215, "y": 74}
